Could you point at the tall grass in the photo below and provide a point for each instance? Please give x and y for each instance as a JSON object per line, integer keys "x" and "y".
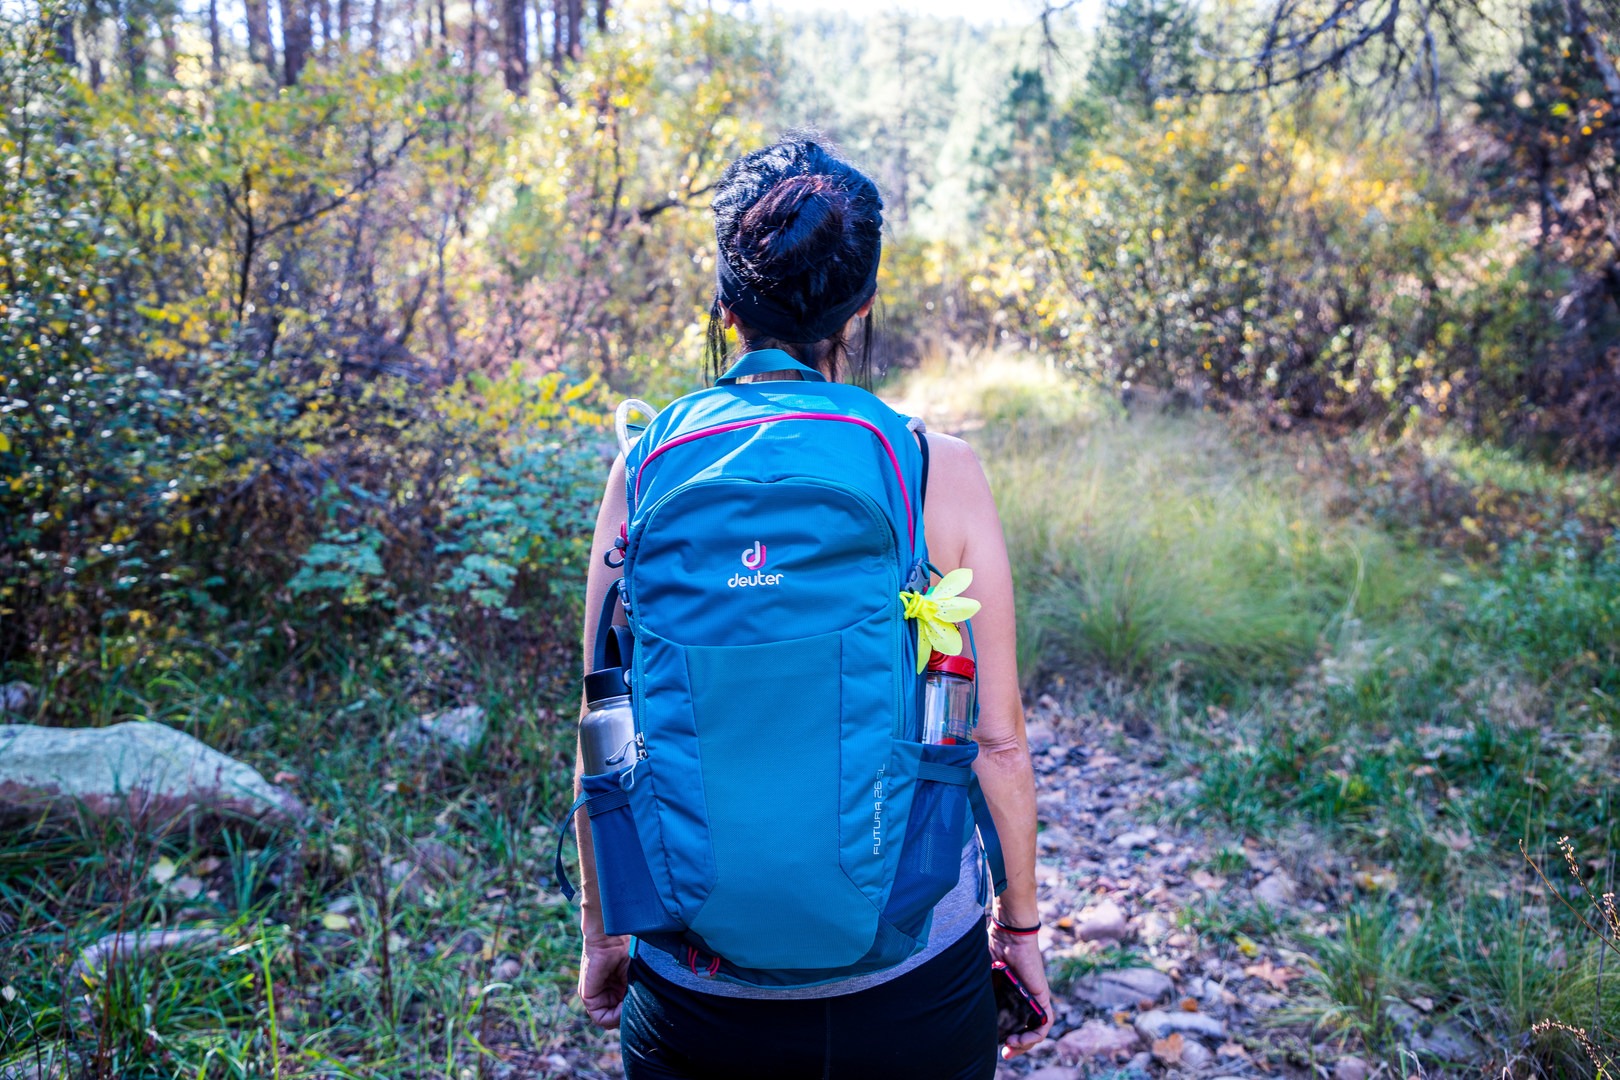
{"x": 1148, "y": 543}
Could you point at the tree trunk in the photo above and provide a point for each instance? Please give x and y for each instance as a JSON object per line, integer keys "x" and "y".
{"x": 515, "y": 45}
{"x": 295, "y": 39}
{"x": 171, "y": 44}
{"x": 132, "y": 31}
{"x": 67, "y": 47}
{"x": 345, "y": 17}
{"x": 576, "y": 16}
{"x": 323, "y": 16}
{"x": 601, "y": 16}
{"x": 1580, "y": 26}
{"x": 261, "y": 50}
{"x": 216, "y": 59}
{"x": 559, "y": 31}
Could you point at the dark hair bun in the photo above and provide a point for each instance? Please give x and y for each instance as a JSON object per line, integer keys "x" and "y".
{"x": 795, "y": 225}
{"x": 799, "y": 224}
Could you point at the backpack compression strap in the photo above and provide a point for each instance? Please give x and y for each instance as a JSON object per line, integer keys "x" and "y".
{"x": 593, "y": 804}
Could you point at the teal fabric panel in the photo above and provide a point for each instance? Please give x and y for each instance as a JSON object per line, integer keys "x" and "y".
{"x": 668, "y": 801}
{"x": 768, "y": 724}
{"x": 820, "y": 557}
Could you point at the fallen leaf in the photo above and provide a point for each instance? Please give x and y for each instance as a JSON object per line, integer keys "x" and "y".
{"x": 1456, "y": 840}
{"x": 1232, "y": 1050}
{"x": 9, "y": 993}
{"x": 205, "y": 866}
{"x": 1424, "y": 1003}
{"x": 1246, "y": 946}
{"x": 333, "y": 921}
{"x": 1206, "y": 880}
{"x": 1169, "y": 1050}
{"x": 284, "y": 777}
{"x": 1273, "y": 975}
{"x": 163, "y": 870}
{"x": 1189, "y": 1005}
{"x": 186, "y": 887}
{"x": 1376, "y": 880}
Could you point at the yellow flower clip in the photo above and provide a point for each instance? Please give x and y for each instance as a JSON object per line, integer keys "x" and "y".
{"x": 937, "y": 612}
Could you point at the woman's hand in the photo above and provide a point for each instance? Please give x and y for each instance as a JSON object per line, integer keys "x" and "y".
{"x": 1022, "y": 954}
{"x": 604, "y": 977}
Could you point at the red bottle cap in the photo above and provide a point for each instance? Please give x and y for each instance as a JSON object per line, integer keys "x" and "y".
{"x": 951, "y": 665}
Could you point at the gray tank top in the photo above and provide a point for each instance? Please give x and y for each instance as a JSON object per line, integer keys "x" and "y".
{"x": 961, "y": 908}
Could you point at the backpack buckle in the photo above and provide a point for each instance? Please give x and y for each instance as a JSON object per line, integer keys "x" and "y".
{"x": 621, "y": 544}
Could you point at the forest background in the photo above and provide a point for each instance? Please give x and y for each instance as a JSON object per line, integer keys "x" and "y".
{"x": 1289, "y": 334}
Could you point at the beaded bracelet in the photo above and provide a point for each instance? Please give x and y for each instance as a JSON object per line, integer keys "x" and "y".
{"x": 1016, "y": 930}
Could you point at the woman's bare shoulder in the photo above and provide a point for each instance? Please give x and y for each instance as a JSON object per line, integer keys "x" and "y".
{"x": 952, "y": 462}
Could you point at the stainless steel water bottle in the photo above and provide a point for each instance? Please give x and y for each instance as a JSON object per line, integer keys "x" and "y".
{"x": 607, "y": 732}
{"x": 948, "y": 699}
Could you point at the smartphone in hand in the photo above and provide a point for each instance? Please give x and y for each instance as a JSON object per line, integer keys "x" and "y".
{"x": 1016, "y": 1008}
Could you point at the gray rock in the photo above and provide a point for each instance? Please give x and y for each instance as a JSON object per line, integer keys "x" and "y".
{"x": 456, "y": 729}
{"x": 1446, "y": 1040}
{"x": 1125, "y": 989}
{"x": 437, "y": 859}
{"x": 152, "y": 772}
{"x": 427, "y": 862}
{"x": 1159, "y": 1024}
{"x": 1054, "y": 1072}
{"x": 1449, "y": 1041}
{"x": 93, "y": 962}
{"x": 18, "y": 697}
{"x": 1054, "y": 838}
{"x": 1039, "y": 737}
{"x": 1097, "y": 1038}
{"x": 1101, "y": 922}
{"x": 1141, "y": 1064}
{"x": 1195, "y": 1055}
{"x": 1136, "y": 839}
{"x": 1277, "y": 890}
{"x": 1350, "y": 1068}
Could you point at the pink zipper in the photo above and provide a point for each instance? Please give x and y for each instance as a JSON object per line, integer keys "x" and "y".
{"x": 721, "y": 429}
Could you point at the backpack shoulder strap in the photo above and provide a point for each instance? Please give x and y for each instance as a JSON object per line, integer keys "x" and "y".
{"x": 920, "y": 429}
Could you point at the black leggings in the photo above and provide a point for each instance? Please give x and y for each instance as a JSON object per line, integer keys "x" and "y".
{"x": 935, "y": 1022}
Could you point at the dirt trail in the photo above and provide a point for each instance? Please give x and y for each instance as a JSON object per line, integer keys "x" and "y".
{"x": 1162, "y": 940}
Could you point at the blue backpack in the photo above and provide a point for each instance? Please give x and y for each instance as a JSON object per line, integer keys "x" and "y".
{"x": 781, "y": 823}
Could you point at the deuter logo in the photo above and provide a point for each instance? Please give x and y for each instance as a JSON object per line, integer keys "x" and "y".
{"x": 754, "y": 559}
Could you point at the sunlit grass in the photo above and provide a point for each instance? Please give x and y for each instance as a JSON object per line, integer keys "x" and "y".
{"x": 1147, "y": 542}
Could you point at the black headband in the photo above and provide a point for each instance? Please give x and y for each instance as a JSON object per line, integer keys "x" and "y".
{"x": 759, "y": 312}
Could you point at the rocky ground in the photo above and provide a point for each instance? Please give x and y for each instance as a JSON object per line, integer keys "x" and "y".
{"x": 1170, "y": 946}
{"x": 1166, "y": 946}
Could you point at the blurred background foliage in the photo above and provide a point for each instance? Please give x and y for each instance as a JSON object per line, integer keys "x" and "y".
{"x": 279, "y": 292}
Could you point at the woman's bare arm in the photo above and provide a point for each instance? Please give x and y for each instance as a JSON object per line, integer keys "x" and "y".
{"x": 964, "y": 529}
{"x": 603, "y": 972}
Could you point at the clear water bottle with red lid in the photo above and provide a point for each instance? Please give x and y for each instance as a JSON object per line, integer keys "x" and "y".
{"x": 948, "y": 699}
